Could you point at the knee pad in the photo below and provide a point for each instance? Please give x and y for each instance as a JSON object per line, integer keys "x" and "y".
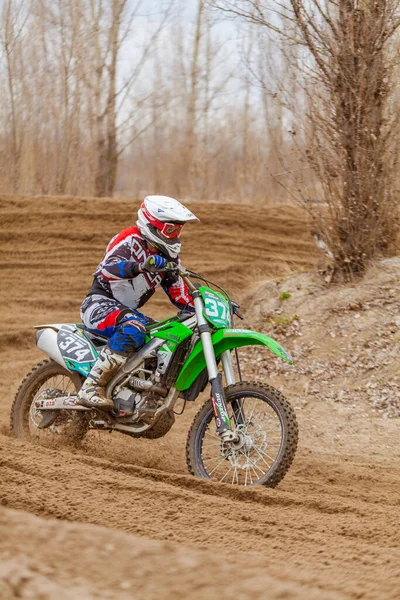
{"x": 129, "y": 336}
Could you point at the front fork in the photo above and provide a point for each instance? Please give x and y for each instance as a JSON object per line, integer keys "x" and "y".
{"x": 224, "y": 428}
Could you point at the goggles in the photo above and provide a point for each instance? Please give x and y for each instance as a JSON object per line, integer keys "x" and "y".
{"x": 168, "y": 230}
{"x": 171, "y": 230}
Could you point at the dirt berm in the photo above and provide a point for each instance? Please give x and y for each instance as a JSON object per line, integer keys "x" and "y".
{"x": 330, "y": 530}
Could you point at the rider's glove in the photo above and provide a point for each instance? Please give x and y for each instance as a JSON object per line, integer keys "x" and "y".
{"x": 154, "y": 263}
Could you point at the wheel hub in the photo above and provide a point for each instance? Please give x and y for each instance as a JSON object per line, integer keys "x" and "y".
{"x": 242, "y": 441}
{"x": 40, "y": 417}
{"x": 239, "y": 450}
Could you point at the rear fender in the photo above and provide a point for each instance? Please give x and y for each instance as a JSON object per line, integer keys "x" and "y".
{"x": 68, "y": 346}
{"x": 225, "y": 339}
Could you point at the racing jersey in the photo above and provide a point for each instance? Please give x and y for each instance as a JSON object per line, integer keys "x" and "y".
{"x": 117, "y": 276}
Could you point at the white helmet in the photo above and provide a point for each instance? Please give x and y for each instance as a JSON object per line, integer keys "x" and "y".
{"x": 160, "y": 221}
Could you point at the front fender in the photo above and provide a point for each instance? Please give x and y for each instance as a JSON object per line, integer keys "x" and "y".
{"x": 225, "y": 339}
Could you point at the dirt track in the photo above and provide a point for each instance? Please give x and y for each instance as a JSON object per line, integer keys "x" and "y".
{"x": 126, "y": 566}
{"x": 332, "y": 527}
{"x": 329, "y": 531}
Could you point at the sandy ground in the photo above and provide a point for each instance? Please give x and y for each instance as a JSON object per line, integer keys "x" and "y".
{"x": 47, "y": 559}
{"x": 330, "y": 530}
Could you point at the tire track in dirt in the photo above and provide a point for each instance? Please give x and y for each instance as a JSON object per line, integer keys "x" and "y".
{"x": 332, "y": 539}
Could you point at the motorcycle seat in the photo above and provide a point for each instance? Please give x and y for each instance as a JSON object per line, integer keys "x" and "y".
{"x": 97, "y": 338}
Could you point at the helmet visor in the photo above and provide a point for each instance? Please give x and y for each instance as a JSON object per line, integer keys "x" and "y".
{"x": 171, "y": 230}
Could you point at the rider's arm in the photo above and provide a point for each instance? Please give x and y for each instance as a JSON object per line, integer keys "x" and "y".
{"x": 178, "y": 292}
{"x": 116, "y": 268}
{"x": 119, "y": 261}
{"x": 129, "y": 269}
{"x": 119, "y": 265}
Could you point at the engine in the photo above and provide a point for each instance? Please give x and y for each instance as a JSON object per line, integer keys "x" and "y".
{"x": 141, "y": 395}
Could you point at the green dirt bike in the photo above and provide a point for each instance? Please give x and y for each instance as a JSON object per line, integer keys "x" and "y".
{"x": 245, "y": 434}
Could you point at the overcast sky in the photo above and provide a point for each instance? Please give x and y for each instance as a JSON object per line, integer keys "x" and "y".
{"x": 229, "y": 33}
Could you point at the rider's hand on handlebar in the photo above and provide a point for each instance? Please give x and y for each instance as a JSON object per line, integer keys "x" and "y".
{"x": 153, "y": 264}
{"x": 156, "y": 263}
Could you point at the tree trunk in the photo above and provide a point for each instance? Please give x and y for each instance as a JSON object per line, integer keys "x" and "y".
{"x": 360, "y": 91}
{"x": 10, "y": 52}
{"x": 194, "y": 80}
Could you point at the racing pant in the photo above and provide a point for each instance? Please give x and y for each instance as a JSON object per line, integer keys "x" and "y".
{"x": 125, "y": 327}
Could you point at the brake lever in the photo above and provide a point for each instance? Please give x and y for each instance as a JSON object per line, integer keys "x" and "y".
{"x": 235, "y": 307}
{"x": 182, "y": 271}
{"x": 171, "y": 266}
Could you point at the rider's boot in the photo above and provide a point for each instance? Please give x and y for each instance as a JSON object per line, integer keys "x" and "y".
{"x": 92, "y": 393}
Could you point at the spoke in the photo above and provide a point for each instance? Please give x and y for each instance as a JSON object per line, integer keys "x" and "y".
{"x": 213, "y": 458}
{"x": 245, "y": 479}
{"x": 211, "y": 435}
{"x": 220, "y": 463}
{"x": 257, "y": 476}
{"x": 265, "y": 453}
{"x": 263, "y": 424}
{"x": 262, "y": 458}
{"x": 235, "y": 473}
{"x": 257, "y": 414}
{"x": 212, "y": 444}
{"x": 261, "y": 452}
{"x": 254, "y": 464}
{"x": 241, "y": 412}
{"x": 251, "y": 416}
{"x": 67, "y": 384}
{"x": 251, "y": 479}
{"x": 247, "y": 469}
{"x": 229, "y": 470}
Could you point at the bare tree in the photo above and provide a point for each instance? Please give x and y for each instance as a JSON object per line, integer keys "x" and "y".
{"x": 346, "y": 72}
{"x": 194, "y": 85}
{"x": 97, "y": 99}
{"x": 13, "y": 20}
{"x": 109, "y": 23}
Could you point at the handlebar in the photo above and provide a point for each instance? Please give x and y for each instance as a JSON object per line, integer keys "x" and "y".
{"x": 185, "y": 274}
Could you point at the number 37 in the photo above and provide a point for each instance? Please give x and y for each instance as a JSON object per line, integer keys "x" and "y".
{"x": 216, "y": 308}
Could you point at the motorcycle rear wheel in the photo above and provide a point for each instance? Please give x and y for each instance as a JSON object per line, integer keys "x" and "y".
{"x": 268, "y": 443}
{"x": 25, "y": 418}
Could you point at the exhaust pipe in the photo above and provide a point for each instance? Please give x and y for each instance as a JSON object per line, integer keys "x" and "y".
{"x": 146, "y": 385}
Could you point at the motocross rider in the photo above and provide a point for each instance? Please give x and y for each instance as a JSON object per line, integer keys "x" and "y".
{"x": 133, "y": 267}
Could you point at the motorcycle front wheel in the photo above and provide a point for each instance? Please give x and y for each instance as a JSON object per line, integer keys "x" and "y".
{"x": 267, "y": 433}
